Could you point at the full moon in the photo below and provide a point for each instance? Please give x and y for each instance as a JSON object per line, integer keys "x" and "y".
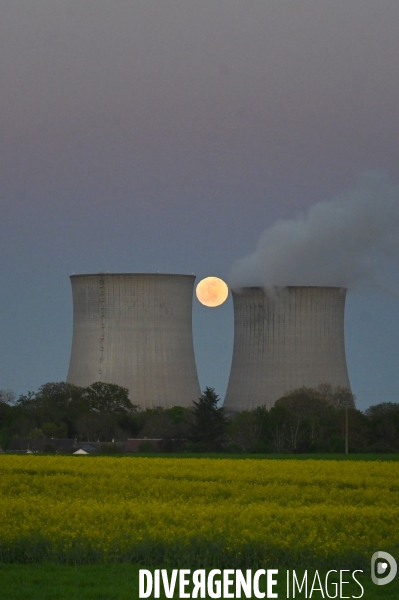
{"x": 212, "y": 291}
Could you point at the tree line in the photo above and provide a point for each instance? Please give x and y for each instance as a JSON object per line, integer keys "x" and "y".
{"x": 306, "y": 420}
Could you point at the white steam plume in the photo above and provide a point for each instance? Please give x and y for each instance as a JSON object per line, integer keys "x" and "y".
{"x": 352, "y": 241}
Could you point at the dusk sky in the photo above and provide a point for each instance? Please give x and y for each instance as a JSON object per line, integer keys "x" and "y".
{"x": 167, "y": 135}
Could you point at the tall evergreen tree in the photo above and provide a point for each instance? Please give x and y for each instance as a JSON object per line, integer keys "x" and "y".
{"x": 210, "y": 424}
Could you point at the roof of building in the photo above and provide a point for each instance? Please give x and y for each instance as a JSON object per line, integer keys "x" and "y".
{"x": 88, "y": 448}
{"x": 39, "y": 444}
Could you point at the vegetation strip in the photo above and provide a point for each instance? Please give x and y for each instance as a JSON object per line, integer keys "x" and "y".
{"x": 182, "y": 511}
{"x": 47, "y": 581}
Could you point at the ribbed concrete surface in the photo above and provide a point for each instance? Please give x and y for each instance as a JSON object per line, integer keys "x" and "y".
{"x": 135, "y": 330}
{"x": 292, "y": 340}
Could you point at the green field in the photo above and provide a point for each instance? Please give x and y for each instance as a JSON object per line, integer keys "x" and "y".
{"x": 219, "y": 455}
{"x": 120, "y": 582}
{"x": 83, "y": 525}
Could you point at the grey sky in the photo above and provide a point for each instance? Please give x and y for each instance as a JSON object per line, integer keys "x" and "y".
{"x": 166, "y": 136}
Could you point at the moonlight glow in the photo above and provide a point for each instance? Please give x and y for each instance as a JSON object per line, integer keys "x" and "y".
{"x": 212, "y": 291}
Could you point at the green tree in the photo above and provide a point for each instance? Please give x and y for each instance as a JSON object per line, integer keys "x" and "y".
{"x": 98, "y": 426}
{"x": 305, "y": 408}
{"x": 338, "y": 396}
{"x": 247, "y": 430}
{"x": 278, "y": 428}
{"x": 131, "y": 422}
{"x": 36, "y": 433}
{"x": 383, "y": 420}
{"x": 19, "y": 419}
{"x": 60, "y": 409}
{"x": 157, "y": 424}
{"x": 108, "y": 398}
{"x": 172, "y": 425}
{"x": 58, "y": 403}
{"x": 342, "y": 399}
{"x": 5, "y": 413}
{"x": 7, "y": 397}
{"x": 358, "y": 428}
{"x": 209, "y": 422}
{"x": 60, "y": 394}
{"x": 51, "y": 430}
{"x": 107, "y": 412}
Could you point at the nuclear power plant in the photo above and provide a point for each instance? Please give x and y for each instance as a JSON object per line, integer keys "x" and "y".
{"x": 135, "y": 330}
{"x": 284, "y": 341}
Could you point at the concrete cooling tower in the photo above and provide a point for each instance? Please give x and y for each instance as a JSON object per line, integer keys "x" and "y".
{"x": 135, "y": 330}
{"x": 284, "y": 342}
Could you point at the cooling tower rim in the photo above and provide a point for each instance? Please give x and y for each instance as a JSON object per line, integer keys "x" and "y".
{"x": 102, "y": 274}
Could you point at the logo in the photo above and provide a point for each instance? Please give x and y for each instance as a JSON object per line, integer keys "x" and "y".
{"x": 380, "y": 561}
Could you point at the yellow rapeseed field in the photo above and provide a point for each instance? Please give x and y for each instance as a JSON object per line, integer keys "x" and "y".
{"x": 158, "y": 509}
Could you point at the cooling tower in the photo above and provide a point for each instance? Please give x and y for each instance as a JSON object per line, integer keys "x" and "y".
{"x": 135, "y": 330}
{"x": 282, "y": 342}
